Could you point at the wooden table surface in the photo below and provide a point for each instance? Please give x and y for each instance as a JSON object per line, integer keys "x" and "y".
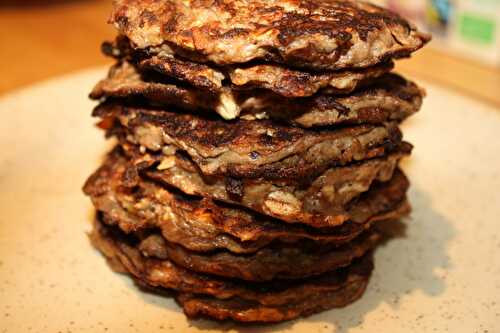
{"x": 39, "y": 42}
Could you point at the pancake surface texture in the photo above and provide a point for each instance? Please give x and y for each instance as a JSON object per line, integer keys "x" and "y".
{"x": 250, "y": 149}
{"x": 320, "y": 34}
{"x": 261, "y": 302}
{"x": 389, "y": 97}
{"x": 281, "y": 80}
{"x": 137, "y": 204}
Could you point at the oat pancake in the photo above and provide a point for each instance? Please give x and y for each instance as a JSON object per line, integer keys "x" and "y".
{"x": 270, "y": 263}
{"x": 321, "y": 202}
{"x": 294, "y": 261}
{"x": 389, "y": 97}
{"x": 199, "y": 224}
{"x": 240, "y": 310}
{"x": 250, "y": 149}
{"x": 270, "y": 301}
{"x": 281, "y": 80}
{"x": 321, "y": 34}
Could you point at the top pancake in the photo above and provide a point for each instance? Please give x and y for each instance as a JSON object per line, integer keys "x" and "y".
{"x": 320, "y": 34}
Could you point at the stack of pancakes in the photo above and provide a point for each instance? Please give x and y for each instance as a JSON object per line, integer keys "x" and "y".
{"x": 258, "y": 147}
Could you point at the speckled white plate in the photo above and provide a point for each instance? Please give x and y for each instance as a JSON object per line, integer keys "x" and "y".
{"x": 444, "y": 276}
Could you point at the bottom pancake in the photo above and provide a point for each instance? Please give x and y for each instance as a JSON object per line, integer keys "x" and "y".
{"x": 240, "y": 310}
{"x": 220, "y": 298}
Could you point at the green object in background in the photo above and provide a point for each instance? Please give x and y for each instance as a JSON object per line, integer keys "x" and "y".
{"x": 477, "y": 28}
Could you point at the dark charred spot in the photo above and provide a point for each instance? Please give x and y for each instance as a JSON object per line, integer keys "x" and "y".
{"x": 285, "y": 135}
{"x": 211, "y": 133}
{"x": 266, "y": 139}
{"x": 180, "y": 70}
{"x": 234, "y": 188}
{"x": 328, "y": 102}
{"x": 294, "y": 25}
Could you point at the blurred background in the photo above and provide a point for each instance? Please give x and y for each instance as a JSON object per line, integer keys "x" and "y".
{"x": 45, "y": 38}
